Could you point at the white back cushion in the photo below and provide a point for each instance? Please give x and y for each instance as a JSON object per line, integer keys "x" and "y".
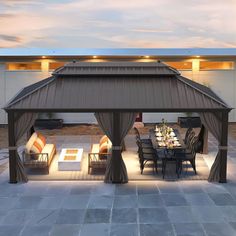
{"x": 31, "y": 141}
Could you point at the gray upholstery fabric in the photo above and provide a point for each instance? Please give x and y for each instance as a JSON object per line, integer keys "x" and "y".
{"x": 116, "y": 169}
{"x": 213, "y": 123}
{"x": 22, "y": 124}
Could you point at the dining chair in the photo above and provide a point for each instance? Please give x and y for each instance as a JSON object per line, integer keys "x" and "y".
{"x": 189, "y": 130}
{"x": 191, "y": 139}
{"x": 142, "y": 140}
{"x": 189, "y": 156}
{"x": 146, "y": 154}
{"x": 170, "y": 157}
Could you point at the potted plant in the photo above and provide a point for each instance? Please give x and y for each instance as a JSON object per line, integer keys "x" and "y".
{"x": 48, "y": 121}
{"x": 189, "y": 121}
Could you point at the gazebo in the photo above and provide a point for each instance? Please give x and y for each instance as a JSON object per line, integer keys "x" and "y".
{"x": 115, "y": 92}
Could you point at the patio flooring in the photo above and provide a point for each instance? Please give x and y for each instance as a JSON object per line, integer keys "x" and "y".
{"x": 130, "y": 158}
{"x": 139, "y": 208}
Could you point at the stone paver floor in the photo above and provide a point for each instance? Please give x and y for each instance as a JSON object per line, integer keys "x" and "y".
{"x": 137, "y": 208}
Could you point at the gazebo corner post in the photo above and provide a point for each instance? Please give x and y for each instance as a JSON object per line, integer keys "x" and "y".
{"x": 12, "y": 151}
{"x": 205, "y": 142}
{"x": 116, "y": 152}
{"x": 224, "y": 144}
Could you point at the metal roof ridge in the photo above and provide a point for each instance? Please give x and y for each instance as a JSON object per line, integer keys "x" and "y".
{"x": 117, "y": 65}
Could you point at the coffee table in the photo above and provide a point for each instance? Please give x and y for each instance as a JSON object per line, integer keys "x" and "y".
{"x": 70, "y": 159}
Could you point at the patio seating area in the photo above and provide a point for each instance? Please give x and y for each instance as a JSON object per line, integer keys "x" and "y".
{"x": 130, "y": 156}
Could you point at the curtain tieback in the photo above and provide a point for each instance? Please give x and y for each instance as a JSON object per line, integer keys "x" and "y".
{"x": 116, "y": 147}
{"x": 12, "y": 148}
{"x": 223, "y": 147}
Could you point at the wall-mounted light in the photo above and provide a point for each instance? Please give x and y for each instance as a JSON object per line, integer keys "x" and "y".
{"x": 94, "y": 57}
{"x": 43, "y": 57}
{"x": 197, "y": 56}
{"x": 146, "y": 56}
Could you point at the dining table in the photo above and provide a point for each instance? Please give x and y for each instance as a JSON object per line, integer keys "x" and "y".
{"x": 167, "y": 144}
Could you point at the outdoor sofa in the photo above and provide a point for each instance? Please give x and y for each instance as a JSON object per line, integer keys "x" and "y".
{"x": 97, "y": 157}
{"x": 37, "y": 153}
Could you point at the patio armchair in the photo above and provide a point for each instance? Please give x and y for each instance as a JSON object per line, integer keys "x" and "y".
{"x": 37, "y": 153}
{"x": 100, "y": 152}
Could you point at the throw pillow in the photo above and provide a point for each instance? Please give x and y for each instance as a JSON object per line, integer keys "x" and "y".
{"x": 36, "y": 148}
{"x": 103, "y": 148}
{"x": 41, "y": 140}
{"x": 104, "y": 139}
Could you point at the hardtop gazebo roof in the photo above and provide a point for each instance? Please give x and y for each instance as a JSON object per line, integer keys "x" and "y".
{"x": 123, "y": 86}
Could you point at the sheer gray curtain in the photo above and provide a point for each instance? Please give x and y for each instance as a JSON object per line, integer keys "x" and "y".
{"x": 22, "y": 124}
{"x": 105, "y": 121}
{"x": 116, "y": 169}
{"x": 213, "y": 122}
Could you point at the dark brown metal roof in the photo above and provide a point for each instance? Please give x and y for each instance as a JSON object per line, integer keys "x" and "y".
{"x": 115, "y": 68}
{"x": 71, "y": 90}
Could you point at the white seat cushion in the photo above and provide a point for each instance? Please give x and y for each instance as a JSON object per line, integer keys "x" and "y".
{"x": 48, "y": 148}
{"x": 95, "y": 148}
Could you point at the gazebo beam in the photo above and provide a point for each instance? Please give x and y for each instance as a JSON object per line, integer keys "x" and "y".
{"x": 224, "y": 143}
{"x": 12, "y": 152}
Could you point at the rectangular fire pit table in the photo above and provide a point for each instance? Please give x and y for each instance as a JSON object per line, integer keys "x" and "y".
{"x": 70, "y": 159}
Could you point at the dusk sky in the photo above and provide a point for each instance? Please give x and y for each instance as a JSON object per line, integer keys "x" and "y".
{"x": 117, "y": 24}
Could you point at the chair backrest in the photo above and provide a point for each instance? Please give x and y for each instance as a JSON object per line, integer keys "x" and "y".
{"x": 189, "y": 130}
{"x": 140, "y": 149}
{"x": 190, "y": 139}
{"x": 137, "y": 133}
{"x": 138, "y": 143}
{"x": 194, "y": 146}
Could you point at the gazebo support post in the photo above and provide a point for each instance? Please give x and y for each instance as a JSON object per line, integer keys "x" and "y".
{"x": 12, "y": 152}
{"x": 203, "y": 137}
{"x": 205, "y": 141}
{"x": 116, "y": 164}
{"x": 224, "y": 143}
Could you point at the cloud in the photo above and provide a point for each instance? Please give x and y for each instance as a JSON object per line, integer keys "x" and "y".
{"x": 5, "y": 16}
{"x": 13, "y": 3}
{"x": 107, "y": 23}
{"x": 151, "y": 31}
{"x": 10, "y": 38}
